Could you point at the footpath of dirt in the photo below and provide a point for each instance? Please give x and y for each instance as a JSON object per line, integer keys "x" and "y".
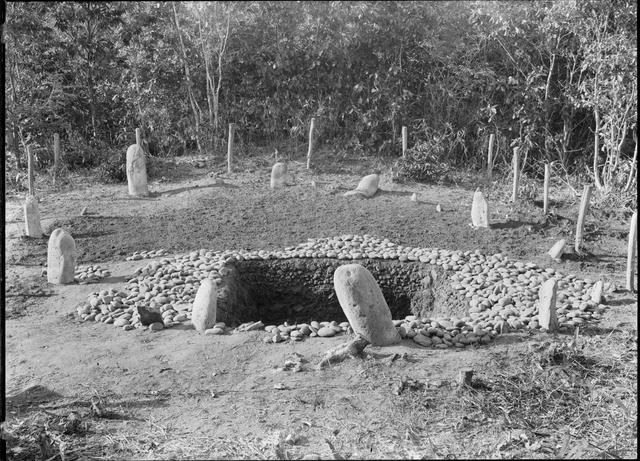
{"x": 179, "y": 393}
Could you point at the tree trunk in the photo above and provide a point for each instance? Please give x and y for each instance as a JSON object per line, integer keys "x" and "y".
{"x": 596, "y": 149}
{"x": 632, "y": 171}
{"x": 194, "y": 104}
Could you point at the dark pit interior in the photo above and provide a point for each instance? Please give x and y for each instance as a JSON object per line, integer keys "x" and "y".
{"x": 301, "y": 289}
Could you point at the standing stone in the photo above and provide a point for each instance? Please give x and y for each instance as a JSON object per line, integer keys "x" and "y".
{"x": 32, "y": 217}
{"x": 547, "y": 305}
{"x": 61, "y": 257}
{"x": 596, "y": 292}
{"x": 366, "y": 187}
{"x": 364, "y": 305}
{"x": 479, "y": 210}
{"x": 556, "y": 250}
{"x": 278, "y": 175}
{"x": 205, "y": 305}
{"x": 136, "y": 170}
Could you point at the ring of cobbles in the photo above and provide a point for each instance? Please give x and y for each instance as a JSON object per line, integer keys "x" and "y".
{"x": 448, "y": 298}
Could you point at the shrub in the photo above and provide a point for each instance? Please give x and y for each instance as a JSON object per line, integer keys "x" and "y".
{"x": 423, "y": 162}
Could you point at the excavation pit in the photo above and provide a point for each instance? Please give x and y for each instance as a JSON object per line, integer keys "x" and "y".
{"x": 298, "y": 290}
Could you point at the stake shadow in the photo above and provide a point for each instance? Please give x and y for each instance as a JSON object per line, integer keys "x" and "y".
{"x": 621, "y": 302}
{"x": 30, "y": 396}
{"x": 511, "y": 224}
{"x": 179, "y": 190}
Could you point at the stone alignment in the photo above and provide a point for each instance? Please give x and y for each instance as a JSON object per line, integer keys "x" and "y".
{"x": 479, "y": 210}
{"x": 362, "y": 301}
{"x": 61, "y": 258}
{"x": 136, "y": 171}
{"x": 278, "y": 175}
{"x": 491, "y": 290}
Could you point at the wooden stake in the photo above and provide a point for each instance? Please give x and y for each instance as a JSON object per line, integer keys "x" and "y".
{"x": 631, "y": 251}
{"x": 404, "y": 142}
{"x": 312, "y": 128}
{"x": 30, "y": 171}
{"x": 490, "y": 156}
{"x": 138, "y": 137}
{"x": 230, "y": 147}
{"x": 465, "y": 377}
{"x": 516, "y": 174}
{"x": 584, "y": 206}
{"x": 56, "y": 151}
{"x": 545, "y": 198}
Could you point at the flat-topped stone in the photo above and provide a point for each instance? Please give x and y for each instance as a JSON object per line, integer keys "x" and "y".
{"x": 137, "y": 171}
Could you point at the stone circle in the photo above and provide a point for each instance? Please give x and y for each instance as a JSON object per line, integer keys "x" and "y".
{"x": 499, "y": 294}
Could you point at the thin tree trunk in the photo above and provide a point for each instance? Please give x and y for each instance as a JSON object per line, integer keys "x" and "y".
{"x": 633, "y": 170}
{"x": 596, "y": 150}
{"x": 194, "y": 104}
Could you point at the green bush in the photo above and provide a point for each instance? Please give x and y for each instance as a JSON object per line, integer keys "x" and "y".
{"x": 423, "y": 163}
{"x": 113, "y": 169}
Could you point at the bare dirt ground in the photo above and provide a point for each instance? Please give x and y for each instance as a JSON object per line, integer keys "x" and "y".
{"x": 178, "y": 394}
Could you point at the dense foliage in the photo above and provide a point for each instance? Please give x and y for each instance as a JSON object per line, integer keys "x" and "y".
{"x": 557, "y": 79}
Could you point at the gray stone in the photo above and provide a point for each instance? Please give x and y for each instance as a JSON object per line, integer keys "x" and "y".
{"x": 32, "y": 217}
{"x": 137, "y": 171}
{"x": 479, "y": 210}
{"x": 326, "y": 332}
{"x": 547, "y": 305}
{"x": 203, "y": 315}
{"x": 279, "y": 175}
{"x": 61, "y": 257}
{"x": 367, "y": 186}
{"x": 422, "y": 340}
{"x": 364, "y": 305}
{"x": 557, "y": 249}
{"x": 596, "y": 292}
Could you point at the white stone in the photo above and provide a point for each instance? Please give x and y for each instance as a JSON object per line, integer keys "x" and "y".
{"x": 547, "y": 305}
{"x": 279, "y": 175}
{"x": 479, "y": 210}
{"x": 438, "y": 208}
{"x": 367, "y": 186}
{"x": 32, "y": 217}
{"x": 556, "y": 250}
{"x": 136, "y": 171}
{"x": 596, "y": 291}
{"x": 203, "y": 315}
{"x": 61, "y": 257}
{"x": 364, "y": 305}
{"x": 414, "y": 197}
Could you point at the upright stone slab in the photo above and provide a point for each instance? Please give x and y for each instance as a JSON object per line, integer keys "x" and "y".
{"x": 278, "y": 175}
{"x": 547, "y": 305}
{"x": 32, "y": 217}
{"x": 367, "y": 186}
{"x": 205, "y": 305}
{"x": 479, "y": 210}
{"x": 557, "y": 249}
{"x": 596, "y": 292}
{"x": 364, "y": 305}
{"x": 137, "y": 171}
{"x": 61, "y": 257}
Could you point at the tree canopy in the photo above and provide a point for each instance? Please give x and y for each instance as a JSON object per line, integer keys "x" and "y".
{"x": 557, "y": 79}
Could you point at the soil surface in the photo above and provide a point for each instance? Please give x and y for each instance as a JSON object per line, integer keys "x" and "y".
{"x": 179, "y": 394}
